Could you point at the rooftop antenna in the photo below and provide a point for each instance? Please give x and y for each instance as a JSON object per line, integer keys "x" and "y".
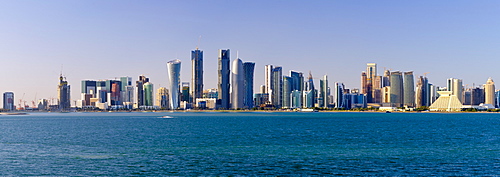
{"x": 199, "y": 40}
{"x": 237, "y": 55}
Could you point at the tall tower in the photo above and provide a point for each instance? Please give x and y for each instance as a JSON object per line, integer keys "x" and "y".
{"x": 323, "y": 93}
{"x": 197, "y": 74}
{"x": 339, "y": 95}
{"x": 364, "y": 83}
{"x": 248, "y": 72}
{"x": 489, "y": 92}
{"x": 224, "y": 73}
{"x": 162, "y": 98}
{"x": 419, "y": 93}
{"x": 409, "y": 89}
{"x": 63, "y": 94}
{"x": 287, "y": 91}
{"x": 237, "y": 83}
{"x": 396, "y": 92}
{"x": 174, "y": 75}
{"x": 140, "y": 90}
{"x": 268, "y": 73}
{"x": 456, "y": 88}
{"x": 148, "y": 94}
{"x": 277, "y": 85}
{"x": 298, "y": 80}
{"x": 371, "y": 71}
{"x": 8, "y": 101}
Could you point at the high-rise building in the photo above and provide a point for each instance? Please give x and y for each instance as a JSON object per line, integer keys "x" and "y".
{"x": 140, "y": 90}
{"x": 224, "y": 75}
{"x": 309, "y": 92}
{"x": 197, "y": 74}
{"x": 489, "y": 92}
{"x": 397, "y": 96}
{"x": 162, "y": 98}
{"x": 127, "y": 95}
{"x": 268, "y": 73}
{"x": 185, "y": 92}
{"x": 456, "y": 88}
{"x": 63, "y": 94}
{"x": 371, "y": 71}
{"x": 248, "y": 72}
{"x": 8, "y": 101}
{"x": 277, "y": 86}
{"x": 174, "y": 75}
{"x": 419, "y": 92}
{"x": 339, "y": 95}
{"x": 148, "y": 94}
{"x": 386, "y": 80}
{"x": 409, "y": 89}
{"x": 364, "y": 83}
{"x": 476, "y": 97}
{"x": 287, "y": 92}
{"x": 298, "y": 80}
{"x": 237, "y": 84}
{"x": 323, "y": 92}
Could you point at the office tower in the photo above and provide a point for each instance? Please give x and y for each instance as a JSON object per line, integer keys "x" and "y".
{"x": 8, "y": 101}
{"x": 409, "y": 89}
{"x": 248, "y": 72}
{"x": 237, "y": 85}
{"x": 497, "y": 98}
{"x": 101, "y": 93}
{"x": 339, "y": 95}
{"x": 489, "y": 92}
{"x": 113, "y": 88}
{"x": 185, "y": 92}
{"x": 371, "y": 71}
{"x": 298, "y": 80}
{"x": 296, "y": 99}
{"x": 287, "y": 92}
{"x": 433, "y": 95}
{"x": 426, "y": 92}
{"x": 309, "y": 98}
{"x": 126, "y": 95}
{"x": 162, "y": 98}
{"x": 386, "y": 94}
{"x": 63, "y": 94}
{"x": 88, "y": 87}
{"x": 323, "y": 92}
{"x": 419, "y": 92}
{"x": 224, "y": 74}
{"x": 476, "y": 96}
{"x": 277, "y": 87}
{"x": 396, "y": 97}
{"x": 386, "y": 80}
{"x": 456, "y": 88}
{"x": 364, "y": 83}
{"x": 140, "y": 89}
{"x": 197, "y": 74}
{"x": 148, "y": 94}
{"x": 174, "y": 75}
{"x": 268, "y": 73}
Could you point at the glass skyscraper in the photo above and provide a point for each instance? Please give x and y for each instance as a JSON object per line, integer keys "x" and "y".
{"x": 224, "y": 84}
{"x": 409, "y": 89}
{"x": 197, "y": 74}
{"x": 174, "y": 75}
{"x": 248, "y": 72}
{"x": 396, "y": 97}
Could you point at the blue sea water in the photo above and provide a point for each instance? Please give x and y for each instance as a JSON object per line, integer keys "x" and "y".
{"x": 249, "y": 144}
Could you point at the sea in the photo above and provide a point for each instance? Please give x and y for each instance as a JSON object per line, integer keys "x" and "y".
{"x": 250, "y": 144}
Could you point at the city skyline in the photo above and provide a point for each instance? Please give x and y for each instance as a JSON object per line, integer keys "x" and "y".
{"x": 333, "y": 38}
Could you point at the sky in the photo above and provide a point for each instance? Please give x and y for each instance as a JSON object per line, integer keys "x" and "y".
{"x": 94, "y": 39}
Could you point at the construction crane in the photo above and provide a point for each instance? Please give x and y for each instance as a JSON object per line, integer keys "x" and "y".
{"x": 21, "y": 102}
{"x": 425, "y": 74}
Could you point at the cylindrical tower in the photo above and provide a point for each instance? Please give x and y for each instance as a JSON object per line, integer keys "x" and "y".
{"x": 174, "y": 74}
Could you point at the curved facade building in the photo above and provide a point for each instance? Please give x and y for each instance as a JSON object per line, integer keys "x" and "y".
{"x": 237, "y": 91}
{"x": 174, "y": 74}
{"x": 396, "y": 96}
{"x": 489, "y": 92}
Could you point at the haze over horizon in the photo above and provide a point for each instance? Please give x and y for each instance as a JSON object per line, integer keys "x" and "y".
{"x": 109, "y": 39}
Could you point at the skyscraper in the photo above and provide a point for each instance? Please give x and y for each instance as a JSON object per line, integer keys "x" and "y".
{"x": 298, "y": 80}
{"x": 364, "y": 83}
{"x": 489, "y": 92}
{"x": 277, "y": 86}
{"x": 396, "y": 92}
{"x": 339, "y": 95}
{"x": 140, "y": 89}
{"x": 63, "y": 94}
{"x": 248, "y": 72}
{"x": 409, "y": 89}
{"x": 287, "y": 91}
{"x": 127, "y": 93}
{"x": 386, "y": 80}
{"x": 224, "y": 75}
{"x": 309, "y": 98}
{"x": 185, "y": 92}
{"x": 419, "y": 92}
{"x": 237, "y": 84}
{"x": 162, "y": 98}
{"x": 323, "y": 92}
{"x": 174, "y": 75}
{"x": 197, "y": 74}
{"x": 456, "y": 88}
{"x": 268, "y": 73}
{"x": 8, "y": 101}
{"x": 148, "y": 94}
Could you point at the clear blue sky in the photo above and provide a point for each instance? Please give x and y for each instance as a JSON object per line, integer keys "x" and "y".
{"x": 108, "y": 39}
